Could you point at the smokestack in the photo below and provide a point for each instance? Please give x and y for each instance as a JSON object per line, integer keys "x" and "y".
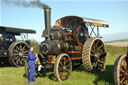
{"x": 47, "y": 16}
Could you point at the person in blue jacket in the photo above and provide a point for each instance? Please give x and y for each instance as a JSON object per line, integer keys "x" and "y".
{"x": 31, "y": 62}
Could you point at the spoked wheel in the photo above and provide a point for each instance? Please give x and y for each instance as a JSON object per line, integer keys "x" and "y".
{"x": 27, "y": 70}
{"x": 18, "y": 52}
{"x": 94, "y": 55}
{"x": 63, "y": 67}
{"x": 121, "y": 70}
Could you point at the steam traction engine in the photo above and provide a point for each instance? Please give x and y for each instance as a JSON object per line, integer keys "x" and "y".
{"x": 16, "y": 51}
{"x": 121, "y": 70}
{"x": 69, "y": 43}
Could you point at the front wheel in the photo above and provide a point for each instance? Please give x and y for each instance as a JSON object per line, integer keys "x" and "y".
{"x": 62, "y": 67}
{"x": 121, "y": 70}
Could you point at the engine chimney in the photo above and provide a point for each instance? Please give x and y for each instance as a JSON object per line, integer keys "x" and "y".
{"x": 47, "y": 16}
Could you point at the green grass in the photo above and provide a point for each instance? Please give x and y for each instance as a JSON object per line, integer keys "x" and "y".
{"x": 15, "y": 76}
{"x": 115, "y": 51}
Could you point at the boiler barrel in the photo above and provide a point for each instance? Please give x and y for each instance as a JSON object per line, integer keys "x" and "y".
{"x": 53, "y": 47}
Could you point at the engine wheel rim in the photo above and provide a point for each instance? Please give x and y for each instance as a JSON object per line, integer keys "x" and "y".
{"x": 123, "y": 73}
{"x": 97, "y": 55}
{"x": 20, "y": 54}
{"x": 63, "y": 68}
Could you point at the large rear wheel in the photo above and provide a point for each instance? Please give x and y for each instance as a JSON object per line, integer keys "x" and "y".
{"x": 121, "y": 70}
{"x": 94, "y": 55}
{"x": 63, "y": 67}
{"x": 18, "y": 52}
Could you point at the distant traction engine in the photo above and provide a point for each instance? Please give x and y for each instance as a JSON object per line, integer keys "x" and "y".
{"x": 16, "y": 51}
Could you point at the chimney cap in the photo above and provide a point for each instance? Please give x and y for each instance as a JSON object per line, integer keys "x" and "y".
{"x": 47, "y": 8}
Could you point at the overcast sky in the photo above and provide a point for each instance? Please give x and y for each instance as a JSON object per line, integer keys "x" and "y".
{"x": 114, "y": 12}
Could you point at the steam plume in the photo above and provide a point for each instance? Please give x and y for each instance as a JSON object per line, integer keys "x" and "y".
{"x": 33, "y": 3}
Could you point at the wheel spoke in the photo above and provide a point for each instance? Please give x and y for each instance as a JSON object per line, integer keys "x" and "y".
{"x": 23, "y": 48}
{"x": 92, "y": 51}
{"x": 99, "y": 60}
{"x": 62, "y": 75}
{"x": 121, "y": 74}
{"x": 67, "y": 65}
{"x": 25, "y": 52}
{"x": 21, "y": 61}
{"x": 17, "y": 48}
{"x": 94, "y": 65}
{"x": 92, "y": 54}
{"x": 100, "y": 47}
{"x": 60, "y": 63}
{"x": 25, "y": 56}
{"x": 24, "y": 60}
{"x": 121, "y": 81}
{"x": 20, "y": 46}
{"x": 66, "y": 73}
{"x": 97, "y": 43}
{"x": 94, "y": 47}
{"x": 103, "y": 54}
{"x": 67, "y": 70}
{"x": 64, "y": 60}
{"x": 121, "y": 70}
{"x": 15, "y": 54}
{"x": 60, "y": 70}
{"x": 16, "y": 58}
{"x": 16, "y": 51}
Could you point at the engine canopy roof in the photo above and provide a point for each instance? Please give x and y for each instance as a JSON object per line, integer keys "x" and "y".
{"x": 15, "y": 31}
{"x": 76, "y": 20}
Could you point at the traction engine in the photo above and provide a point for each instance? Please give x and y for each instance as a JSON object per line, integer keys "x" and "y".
{"x": 70, "y": 43}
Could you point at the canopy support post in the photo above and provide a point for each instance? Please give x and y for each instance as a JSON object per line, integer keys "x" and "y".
{"x": 98, "y": 34}
{"x": 92, "y": 31}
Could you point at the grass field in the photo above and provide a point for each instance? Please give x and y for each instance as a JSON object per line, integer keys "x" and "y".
{"x": 15, "y": 76}
{"x": 116, "y": 51}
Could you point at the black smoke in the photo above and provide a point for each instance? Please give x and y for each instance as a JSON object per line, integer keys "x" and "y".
{"x": 26, "y": 4}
